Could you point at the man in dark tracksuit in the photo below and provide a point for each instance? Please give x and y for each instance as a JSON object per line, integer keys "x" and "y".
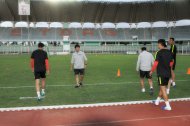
{"x": 163, "y": 63}
{"x": 173, "y": 50}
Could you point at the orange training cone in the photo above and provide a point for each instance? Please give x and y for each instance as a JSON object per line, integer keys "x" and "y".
{"x": 188, "y": 71}
{"x": 118, "y": 73}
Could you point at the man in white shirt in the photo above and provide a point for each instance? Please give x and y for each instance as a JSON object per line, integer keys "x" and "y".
{"x": 78, "y": 63}
{"x": 144, "y": 65}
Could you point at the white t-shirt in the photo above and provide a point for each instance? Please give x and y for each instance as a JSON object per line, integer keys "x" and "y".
{"x": 78, "y": 59}
{"x": 145, "y": 61}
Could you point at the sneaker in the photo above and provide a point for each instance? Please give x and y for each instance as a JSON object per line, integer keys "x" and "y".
{"x": 151, "y": 91}
{"x": 166, "y": 108}
{"x": 81, "y": 84}
{"x": 143, "y": 90}
{"x": 155, "y": 103}
{"x": 42, "y": 94}
{"x": 173, "y": 84}
{"x": 77, "y": 86}
{"x": 168, "y": 91}
{"x": 39, "y": 99}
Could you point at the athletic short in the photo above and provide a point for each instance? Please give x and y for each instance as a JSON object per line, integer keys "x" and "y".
{"x": 40, "y": 74}
{"x": 144, "y": 74}
{"x": 79, "y": 71}
{"x": 163, "y": 81}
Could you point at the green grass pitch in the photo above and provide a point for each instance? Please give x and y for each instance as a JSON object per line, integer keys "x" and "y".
{"x": 100, "y": 83}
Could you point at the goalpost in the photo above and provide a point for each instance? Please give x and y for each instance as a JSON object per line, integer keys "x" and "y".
{"x": 66, "y": 45}
{"x": 62, "y": 49}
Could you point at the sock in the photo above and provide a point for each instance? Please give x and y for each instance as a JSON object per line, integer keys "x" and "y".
{"x": 38, "y": 94}
{"x": 77, "y": 83}
{"x": 43, "y": 90}
{"x": 157, "y": 100}
{"x": 151, "y": 87}
{"x": 167, "y": 104}
{"x": 168, "y": 91}
{"x": 173, "y": 83}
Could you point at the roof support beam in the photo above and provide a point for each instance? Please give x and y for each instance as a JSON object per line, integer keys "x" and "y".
{"x": 83, "y": 11}
{"x": 116, "y": 15}
{"x": 33, "y": 15}
{"x": 10, "y": 10}
{"x": 98, "y": 11}
{"x": 102, "y": 13}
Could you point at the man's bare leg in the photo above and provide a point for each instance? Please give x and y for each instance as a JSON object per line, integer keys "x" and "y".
{"x": 151, "y": 86}
{"x": 77, "y": 80}
{"x": 81, "y": 79}
{"x": 142, "y": 85}
{"x": 160, "y": 94}
{"x": 164, "y": 94}
{"x": 165, "y": 97}
{"x": 43, "y": 86}
{"x": 159, "y": 97}
{"x": 169, "y": 86}
{"x": 38, "y": 87}
{"x": 173, "y": 78}
{"x": 171, "y": 82}
{"x": 150, "y": 83}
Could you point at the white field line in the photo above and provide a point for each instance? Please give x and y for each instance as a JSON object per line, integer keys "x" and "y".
{"x": 70, "y": 85}
{"x": 85, "y": 105}
{"x": 121, "y": 121}
{"x": 24, "y": 98}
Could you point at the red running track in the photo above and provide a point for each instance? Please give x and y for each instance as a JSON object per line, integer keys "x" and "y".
{"x": 129, "y": 115}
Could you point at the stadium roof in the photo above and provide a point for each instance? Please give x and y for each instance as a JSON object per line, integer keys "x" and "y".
{"x": 98, "y": 12}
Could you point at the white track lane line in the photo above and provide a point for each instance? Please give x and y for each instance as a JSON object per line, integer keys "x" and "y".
{"x": 85, "y": 105}
{"x": 70, "y": 85}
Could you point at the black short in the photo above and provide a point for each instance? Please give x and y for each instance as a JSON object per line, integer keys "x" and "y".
{"x": 79, "y": 71}
{"x": 40, "y": 74}
{"x": 144, "y": 74}
{"x": 163, "y": 81}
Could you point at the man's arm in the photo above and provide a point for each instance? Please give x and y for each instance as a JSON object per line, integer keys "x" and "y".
{"x": 47, "y": 63}
{"x": 32, "y": 64}
{"x": 155, "y": 64}
{"x": 171, "y": 63}
{"x": 152, "y": 61}
{"x": 138, "y": 64}
{"x": 85, "y": 60}
{"x": 154, "y": 67}
{"x": 72, "y": 63}
{"x": 71, "y": 67}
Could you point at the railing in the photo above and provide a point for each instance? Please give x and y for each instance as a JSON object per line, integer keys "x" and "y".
{"x": 180, "y": 33}
{"x": 97, "y": 49}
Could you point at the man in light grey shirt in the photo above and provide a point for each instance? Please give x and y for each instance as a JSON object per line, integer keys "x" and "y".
{"x": 144, "y": 65}
{"x": 78, "y": 63}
